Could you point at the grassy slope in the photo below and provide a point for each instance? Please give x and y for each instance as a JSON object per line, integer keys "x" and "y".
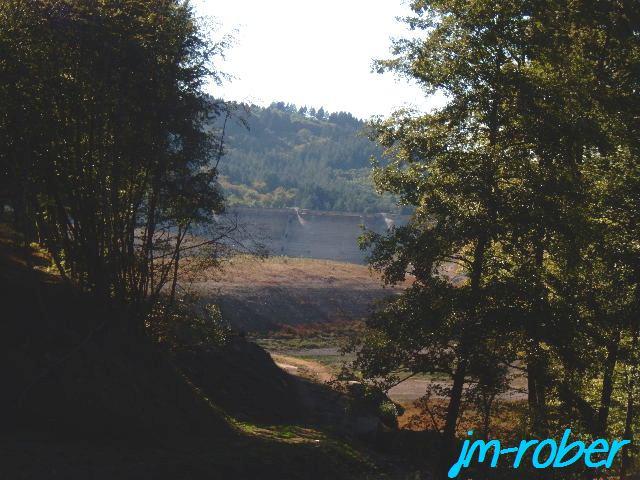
{"x": 119, "y": 408}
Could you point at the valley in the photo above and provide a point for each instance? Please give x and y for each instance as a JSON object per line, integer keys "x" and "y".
{"x": 303, "y": 311}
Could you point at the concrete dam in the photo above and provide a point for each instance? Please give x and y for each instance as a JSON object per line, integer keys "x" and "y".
{"x": 295, "y": 232}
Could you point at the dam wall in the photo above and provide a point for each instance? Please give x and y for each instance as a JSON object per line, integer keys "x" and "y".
{"x": 311, "y": 234}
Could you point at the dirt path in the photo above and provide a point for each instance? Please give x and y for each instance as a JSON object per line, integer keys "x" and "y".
{"x": 404, "y": 393}
{"x": 303, "y": 368}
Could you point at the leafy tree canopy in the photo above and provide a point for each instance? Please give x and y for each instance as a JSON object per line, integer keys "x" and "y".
{"x": 289, "y": 156}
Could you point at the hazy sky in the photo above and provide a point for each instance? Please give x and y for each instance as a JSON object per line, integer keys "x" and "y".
{"x": 313, "y": 52}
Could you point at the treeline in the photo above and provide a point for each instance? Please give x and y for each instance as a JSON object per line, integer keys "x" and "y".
{"x": 104, "y": 155}
{"x": 289, "y": 156}
{"x": 528, "y": 183}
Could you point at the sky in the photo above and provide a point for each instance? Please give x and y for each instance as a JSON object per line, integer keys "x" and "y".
{"x": 313, "y": 52}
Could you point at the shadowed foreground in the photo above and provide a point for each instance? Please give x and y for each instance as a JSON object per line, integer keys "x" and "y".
{"x": 83, "y": 398}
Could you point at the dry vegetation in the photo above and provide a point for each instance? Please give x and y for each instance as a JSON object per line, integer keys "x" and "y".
{"x": 265, "y": 295}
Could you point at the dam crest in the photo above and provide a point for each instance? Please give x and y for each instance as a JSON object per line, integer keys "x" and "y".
{"x": 295, "y": 232}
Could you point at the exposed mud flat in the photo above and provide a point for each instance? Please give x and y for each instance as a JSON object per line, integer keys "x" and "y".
{"x": 257, "y": 295}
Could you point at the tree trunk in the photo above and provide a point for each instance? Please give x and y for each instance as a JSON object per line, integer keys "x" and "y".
{"x": 453, "y": 412}
{"x": 457, "y": 389}
{"x": 176, "y": 267}
{"x": 535, "y": 361}
{"x": 607, "y": 383}
{"x": 630, "y": 414}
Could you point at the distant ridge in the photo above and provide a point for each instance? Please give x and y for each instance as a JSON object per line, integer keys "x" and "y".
{"x": 285, "y": 156}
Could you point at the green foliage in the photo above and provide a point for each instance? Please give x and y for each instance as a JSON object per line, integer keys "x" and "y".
{"x": 294, "y": 157}
{"x": 105, "y": 158}
{"x": 525, "y": 185}
{"x": 185, "y": 324}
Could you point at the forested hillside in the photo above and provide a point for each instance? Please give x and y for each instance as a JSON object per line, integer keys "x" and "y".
{"x": 289, "y": 156}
